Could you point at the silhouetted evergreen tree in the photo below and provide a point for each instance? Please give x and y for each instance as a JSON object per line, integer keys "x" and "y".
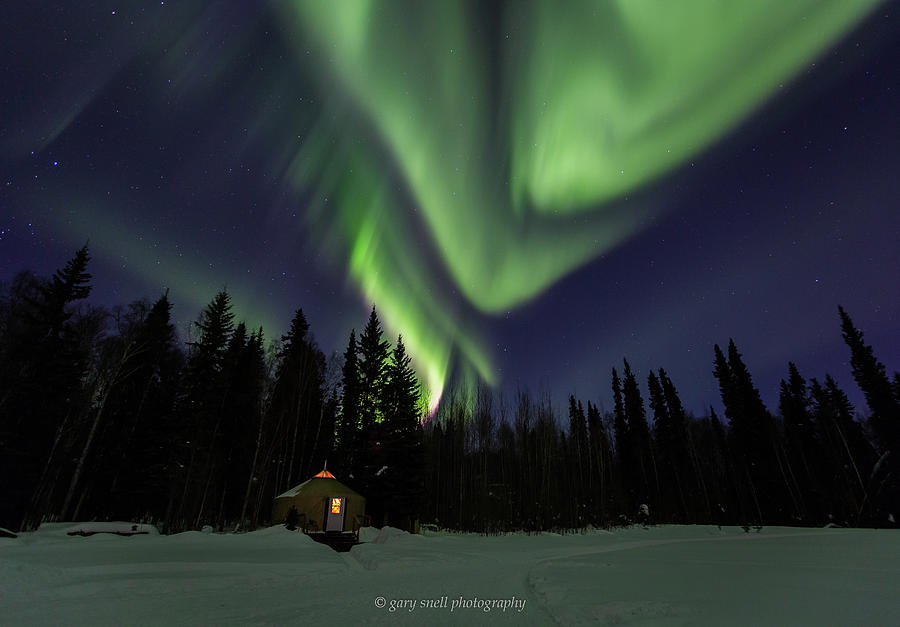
{"x": 896, "y": 385}
{"x": 230, "y": 462}
{"x": 803, "y": 447}
{"x": 741, "y": 438}
{"x": 299, "y": 403}
{"x": 597, "y": 448}
{"x": 20, "y": 442}
{"x": 755, "y": 444}
{"x": 671, "y": 453}
{"x": 373, "y": 359}
{"x": 725, "y": 480}
{"x": 123, "y": 465}
{"x": 44, "y": 359}
{"x": 200, "y": 407}
{"x": 883, "y": 485}
{"x": 682, "y": 459}
{"x": 640, "y": 440}
{"x": 231, "y": 403}
{"x": 580, "y": 460}
{"x": 349, "y": 440}
{"x": 848, "y": 457}
{"x": 871, "y": 376}
{"x": 602, "y": 472}
{"x": 625, "y": 462}
{"x": 402, "y": 446}
{"x": 146, "y": 468}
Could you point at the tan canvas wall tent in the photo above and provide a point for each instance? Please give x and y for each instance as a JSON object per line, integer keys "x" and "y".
{"x": 324, "y": 504}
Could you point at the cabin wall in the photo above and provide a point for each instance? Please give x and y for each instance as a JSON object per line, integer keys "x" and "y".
{"x": 314, "y": 507}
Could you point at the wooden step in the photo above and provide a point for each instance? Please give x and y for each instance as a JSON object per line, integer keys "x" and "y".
{"x": 340, "y": 542}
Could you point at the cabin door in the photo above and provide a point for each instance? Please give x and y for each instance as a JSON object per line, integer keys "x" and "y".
{"x": 337, "y": 505}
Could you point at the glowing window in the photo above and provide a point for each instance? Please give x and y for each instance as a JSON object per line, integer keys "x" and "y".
{"x": 336, "y": 505}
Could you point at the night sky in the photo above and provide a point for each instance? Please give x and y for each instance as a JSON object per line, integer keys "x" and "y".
{"x": 528, "y": 194}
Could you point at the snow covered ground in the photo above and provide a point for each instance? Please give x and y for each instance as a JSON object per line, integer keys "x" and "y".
{"x": 673, "y": 575}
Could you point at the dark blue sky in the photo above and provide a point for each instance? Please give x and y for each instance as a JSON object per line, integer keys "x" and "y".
{"x": 165, "y": 167}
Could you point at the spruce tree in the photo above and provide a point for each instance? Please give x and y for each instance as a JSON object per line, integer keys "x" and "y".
{"x": 677, "y": 415}
{"x": 748, "y": 418}
{"x": 871, "y": 376}
{"x": 131, "y": 471}
{"x": 580, "y": 461}
{"x": 601, "y": 466}
{"x": 402, "y": 450}
{"x": 204, "y": 390}
{"x": 41, "y": 393}
{"x": 373, "y": 353}
{"x": 240, "y": 424}
{"x": 298, "y": 401}
{"x": 226, "y": 411}
{"x": 641, "y": 441}
{"x": 349, "y": 441}
{"x": 146, "y": 468}
{"x": 214, "y": 326}
{"x": 848, "y": 456}
{"x": 896, "y": 385}
{"x": 721, "y": 474}
{"x": 624, "y": 449}
{"x": 753, "y": 440}
{"x": 803, "y": 446}
{"x": 671, "y": 445}
{"x": 662, "y": 427}
{"x": 66, "y": 286}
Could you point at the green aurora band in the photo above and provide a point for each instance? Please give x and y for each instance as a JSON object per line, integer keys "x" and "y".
{"x": 509, "y": 149}
{"x": 499, "y": 145}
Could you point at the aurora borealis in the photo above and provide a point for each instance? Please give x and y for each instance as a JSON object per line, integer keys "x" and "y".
{"x": 526, "y": 192}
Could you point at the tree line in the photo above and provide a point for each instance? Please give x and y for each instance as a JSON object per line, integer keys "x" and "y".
{"x": 497, "y": 465}
{"x": 107, "y": 414}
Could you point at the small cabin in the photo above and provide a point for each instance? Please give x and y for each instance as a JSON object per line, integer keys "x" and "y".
{"x": 324, "y": 504}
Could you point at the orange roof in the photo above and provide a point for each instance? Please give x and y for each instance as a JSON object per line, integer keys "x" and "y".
{"x": 324, "y": 475}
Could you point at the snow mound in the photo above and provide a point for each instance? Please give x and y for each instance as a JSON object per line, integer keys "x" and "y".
{"x": 368, "y": 534}
{"x": 277, "y": 531}
{"x": 381, "y": 536}
{"x": 279, "y": 535}
{"x": 89, "y": 528}
{"x": 387, "y": 534}
{"x": 118, "y": 527}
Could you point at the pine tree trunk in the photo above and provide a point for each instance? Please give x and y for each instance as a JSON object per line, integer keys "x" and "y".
{"x": 259, "y": 500}
{"x": 79, "y": 468}
{"x": 290, "y": 472}
{"x": 220, "y": 523}
{"x": 179, "y": 515}
{"x": 698, "y": 471}
{"x": 81, "y": 499}
{"x": 210, "y": 466}
{"x": 42, "y": 483}
{"x": 134, "y": 423}
{"x": 252, "y": 473}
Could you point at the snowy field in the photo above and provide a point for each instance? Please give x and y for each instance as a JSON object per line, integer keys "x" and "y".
{"x": 674, "y": 575}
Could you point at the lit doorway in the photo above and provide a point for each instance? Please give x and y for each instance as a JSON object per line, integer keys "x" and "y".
{"x": 336, "y": 509}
